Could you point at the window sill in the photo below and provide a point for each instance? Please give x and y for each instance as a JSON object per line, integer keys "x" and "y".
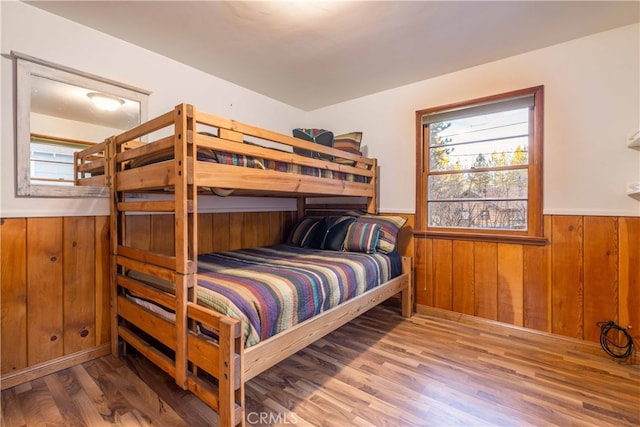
{"x": 496, "y": 238}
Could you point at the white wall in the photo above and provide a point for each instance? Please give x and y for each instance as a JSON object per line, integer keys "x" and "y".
{"x": 45, "y": 124}
{"x": 592, "y": 105}
{"x": 33, "y": 32}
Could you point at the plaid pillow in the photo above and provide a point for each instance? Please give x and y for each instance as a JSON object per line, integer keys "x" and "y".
{"x": 349, "y": 142}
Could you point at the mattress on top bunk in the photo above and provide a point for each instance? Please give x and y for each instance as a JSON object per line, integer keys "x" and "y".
{"x": 275, "y": 287}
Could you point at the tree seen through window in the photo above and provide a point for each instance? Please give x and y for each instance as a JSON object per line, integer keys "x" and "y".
{"x": 478, "y": 165}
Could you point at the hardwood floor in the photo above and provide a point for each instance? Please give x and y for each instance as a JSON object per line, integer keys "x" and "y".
{"x": 380, "y": 369}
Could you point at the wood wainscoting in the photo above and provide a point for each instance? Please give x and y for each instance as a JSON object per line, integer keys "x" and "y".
{"x": 589, "y": 271}
{"x": 54, "y": 289}
{"x": 54, "y": 294}
{"x": 54, "y": 284}
{"x": 216, "y": 231}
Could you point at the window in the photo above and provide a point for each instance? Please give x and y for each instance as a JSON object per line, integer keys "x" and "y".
{"x": 52, "y": 160}
{"x": 480, "y": 168}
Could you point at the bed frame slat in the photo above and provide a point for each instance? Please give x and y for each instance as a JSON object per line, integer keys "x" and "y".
{"x": 164, "y": 145}
{"x": 205, "y": 391}
{"x": 209, "y": 318}
{"x": 97, "y": 164}
{"x": 146, "y": 128}
{"x": 152, "y": 206}
{"x": 147, "y": 292}
{"x": 209, "y": 394}
{"x": 229, "y": 176}
{"x": 142, "y": 267}
{"x": 147, "y": 350}
{"x": 92, "y": 181}
{"x": 154, "y": 176}
{"x": 168, "y": 262}
{"x": 161, "y": 329}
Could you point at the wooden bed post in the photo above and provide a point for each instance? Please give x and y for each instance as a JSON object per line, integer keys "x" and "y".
{"x": 372, "y": 202}
{"x": 185, "y": 245}
{"x": 301, "y": 206}
{"x": 407, "y": 294}
{"x": 116, "y": 235}
{"x": 230, "y": 382}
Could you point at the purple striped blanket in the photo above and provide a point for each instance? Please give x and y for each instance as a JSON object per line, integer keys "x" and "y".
{"x": 273, "y": 288}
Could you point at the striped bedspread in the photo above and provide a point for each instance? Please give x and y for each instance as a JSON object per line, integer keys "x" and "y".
{"x": 273, "y": 288}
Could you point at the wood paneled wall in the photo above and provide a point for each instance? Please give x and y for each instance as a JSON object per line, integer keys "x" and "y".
{"x": 589, "y": 271}
{"x": 216, "y": 231}
{"x": 55, "y": 284}
{"x": 55, "y": 288}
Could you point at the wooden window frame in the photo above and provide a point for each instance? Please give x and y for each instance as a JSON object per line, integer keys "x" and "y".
{"x": 535, "y": 225}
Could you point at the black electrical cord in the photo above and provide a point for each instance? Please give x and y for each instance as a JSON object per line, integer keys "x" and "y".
{"x": 610, "y": 346}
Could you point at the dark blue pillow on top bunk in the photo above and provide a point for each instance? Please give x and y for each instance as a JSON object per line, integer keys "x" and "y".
{"x": 318, "y": 136}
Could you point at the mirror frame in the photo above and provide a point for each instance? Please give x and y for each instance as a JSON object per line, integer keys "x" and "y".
{"x": 27, "y": 66}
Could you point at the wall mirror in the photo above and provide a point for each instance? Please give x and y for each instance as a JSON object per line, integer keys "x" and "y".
{"x": 61, "y": 111}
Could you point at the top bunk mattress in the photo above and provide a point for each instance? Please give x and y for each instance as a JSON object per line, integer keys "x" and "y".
{"x": 276, "y": 287}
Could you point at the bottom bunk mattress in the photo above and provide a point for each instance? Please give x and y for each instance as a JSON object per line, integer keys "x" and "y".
{"x": 275, "y": 287}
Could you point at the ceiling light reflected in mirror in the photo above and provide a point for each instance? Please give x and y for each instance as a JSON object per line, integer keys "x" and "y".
{"x": 105, "y": 102}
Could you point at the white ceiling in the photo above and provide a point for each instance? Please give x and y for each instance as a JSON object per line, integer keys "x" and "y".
{"x": 313, "y": 54}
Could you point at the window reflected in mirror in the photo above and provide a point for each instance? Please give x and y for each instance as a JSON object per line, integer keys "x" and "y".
{"x": 61, "y": 112}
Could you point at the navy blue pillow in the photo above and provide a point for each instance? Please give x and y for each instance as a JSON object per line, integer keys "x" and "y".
{"x": 308, "y": 232}
{"x": 336, "y": 232}
{"x": 318, "y": 237}
{"x": 318, "y": 136}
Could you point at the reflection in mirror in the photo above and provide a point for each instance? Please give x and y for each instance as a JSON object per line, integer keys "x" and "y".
{"x": 65, "y": 119}
{"x": 60, "y": 112}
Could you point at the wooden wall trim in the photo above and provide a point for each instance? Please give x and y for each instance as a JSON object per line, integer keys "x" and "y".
{"x": 510, "y": 330}
{"x": 45, "y": 368}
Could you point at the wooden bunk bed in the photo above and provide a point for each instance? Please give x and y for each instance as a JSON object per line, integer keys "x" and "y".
{"x": 174, "y": 163}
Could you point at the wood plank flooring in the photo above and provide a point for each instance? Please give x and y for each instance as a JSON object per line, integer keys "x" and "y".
{"x": 378, "y": 370}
